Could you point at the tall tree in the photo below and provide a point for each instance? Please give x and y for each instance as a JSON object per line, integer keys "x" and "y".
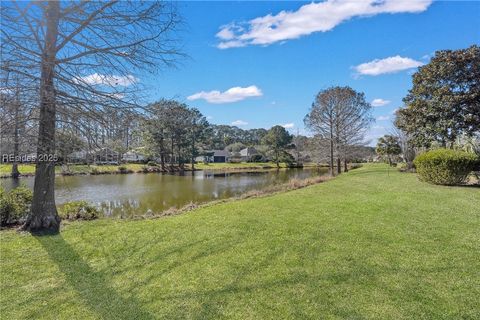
{"x": 83, "y": 56}
{"x": 388, "y": 146}
{"x": 444, "y": 101}
{"x": 176, "y": 131}
{"x": 341, "y": 116}
{"x": 278, "y": 140}
{"x": 197, "y": 131}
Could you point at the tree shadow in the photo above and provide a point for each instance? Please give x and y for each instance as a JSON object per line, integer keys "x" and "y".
{"x": 91, "y": 286}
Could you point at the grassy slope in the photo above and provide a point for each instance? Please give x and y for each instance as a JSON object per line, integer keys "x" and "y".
{"x": 366, "y": 245}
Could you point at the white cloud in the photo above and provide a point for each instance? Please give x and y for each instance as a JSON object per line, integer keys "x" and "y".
{"x": 383, "y": 118}
{"x": 379, "y": 102}
{"x": 288, "y": 125}
{"x": 309, "y": 18}
{"x": 387, "y": 65}
{"x": 239, "y": 123}
{"x": 209, "y": 117}
{"x": 95, "y": 79}
{"x": 231, "y": 95}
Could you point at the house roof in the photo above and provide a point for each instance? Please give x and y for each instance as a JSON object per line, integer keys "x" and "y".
{"x": 221, "y": 153}
{"x": 249, "y": 151}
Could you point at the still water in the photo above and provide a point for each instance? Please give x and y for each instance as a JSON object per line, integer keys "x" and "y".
{"x": 124, "y": 195}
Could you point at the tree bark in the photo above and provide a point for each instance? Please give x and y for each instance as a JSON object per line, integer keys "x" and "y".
{"x": 43, "y": 217}
{"x": 193, "y": 156}
{"x": 277, "y": 160}
{"x": 345, "y": 165}
{"x": 339, "y": 165}
{"x": 331, "y": 151}
{"x": 15, "y": 172}
{"x": 162, "y": 152}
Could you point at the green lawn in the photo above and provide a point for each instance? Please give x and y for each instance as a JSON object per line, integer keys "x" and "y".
{"x": 371, "y": 244}
{"x": 6, "y": 169}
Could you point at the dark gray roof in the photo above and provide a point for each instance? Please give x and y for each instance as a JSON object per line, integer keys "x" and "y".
{"x": 221, "y": 153}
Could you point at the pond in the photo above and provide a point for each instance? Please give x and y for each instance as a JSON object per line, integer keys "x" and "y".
{"x": 125, "y": 195}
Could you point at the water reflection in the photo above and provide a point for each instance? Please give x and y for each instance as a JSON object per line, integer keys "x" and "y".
{"x": 140, "y": 194}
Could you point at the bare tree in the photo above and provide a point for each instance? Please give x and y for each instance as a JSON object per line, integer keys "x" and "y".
{"x": 341, "y": 116}
{"x": 84, "y": 56}
{"x": 17, "y": 112}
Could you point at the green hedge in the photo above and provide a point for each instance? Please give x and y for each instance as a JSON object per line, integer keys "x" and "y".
{"x": 14, "y": 205}
{"x": 445, "y": 166}
{"x": 78, "y": 210}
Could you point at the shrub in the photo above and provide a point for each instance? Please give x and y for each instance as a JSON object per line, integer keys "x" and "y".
{"x": 152, "y": 163}
{"x": 355, "y": 166}
{"x": 257, "y": 158}
{"x": 444, "y": 166}
{"x": 78, "y": 210}
{"x": 14, "y": 205}
{"x": 94, "y": 170}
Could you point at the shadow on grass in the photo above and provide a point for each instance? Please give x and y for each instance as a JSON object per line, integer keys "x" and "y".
{"x": 91, "y": 286}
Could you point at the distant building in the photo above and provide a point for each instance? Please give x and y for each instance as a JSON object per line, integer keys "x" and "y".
{"x": 105, "y": 156}
{"x": 132, "y": 156}
{"x": 215, "y": 156}
{"x": 78, "y": 157}
{"x": 96, "y": 156}
{"x": 248, "y": 153}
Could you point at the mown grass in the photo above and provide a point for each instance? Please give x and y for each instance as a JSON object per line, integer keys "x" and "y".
{"x": 370, "y": 244}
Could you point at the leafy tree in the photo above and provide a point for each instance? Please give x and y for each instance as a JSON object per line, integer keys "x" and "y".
{"x": 444, "y": 101}
{"x": 175, "y": 132}
{"x": 278, "y": 140}
{"x": 197, "y": 132}
{"x": 388, "y": 146}
{"x": 235, "y": 147}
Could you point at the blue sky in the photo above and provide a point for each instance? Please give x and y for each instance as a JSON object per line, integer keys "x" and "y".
{"x": 276, "y": 72}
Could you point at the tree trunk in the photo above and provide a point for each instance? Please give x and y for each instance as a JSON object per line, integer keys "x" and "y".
{"x": 162, "y": 161}
{"x": 339, "y": 165}
{"x": 345, "y": 165}
{"x": 171, "y": 155}
{"x": 331, "y": 152}
{"x": 193, "y": 159}
{"x": 15, "y": 172}
{"x": 277, "y": 160}
{"x": 43, "y": 217}
{"x": 162, "y": 152}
